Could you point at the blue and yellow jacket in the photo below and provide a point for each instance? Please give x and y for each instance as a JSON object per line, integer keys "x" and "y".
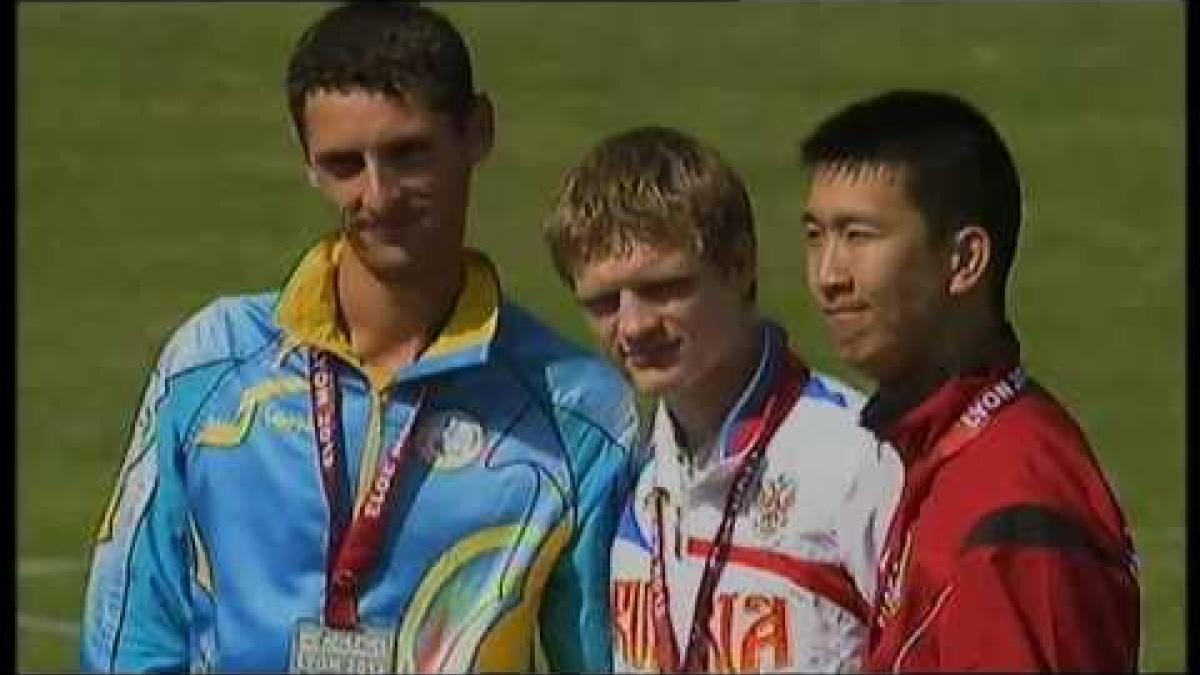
{"x": 215, "y": 542}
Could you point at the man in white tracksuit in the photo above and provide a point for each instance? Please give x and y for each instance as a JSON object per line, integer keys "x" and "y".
{"x": 751, "y": 539}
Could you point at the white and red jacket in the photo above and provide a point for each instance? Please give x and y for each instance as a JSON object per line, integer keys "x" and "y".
{"x": 794, "y": 592}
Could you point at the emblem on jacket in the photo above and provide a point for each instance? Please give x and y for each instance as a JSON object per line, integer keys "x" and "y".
{"x": 775, "y": 500}
{"x": 449, "y": 439}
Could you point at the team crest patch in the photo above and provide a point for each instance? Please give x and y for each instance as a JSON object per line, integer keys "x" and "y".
{"x": 775, "y": 500}
{"x": 450, "y": 439}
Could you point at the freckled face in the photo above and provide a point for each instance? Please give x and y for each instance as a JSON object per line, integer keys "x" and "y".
{"x": 663, "y": 314}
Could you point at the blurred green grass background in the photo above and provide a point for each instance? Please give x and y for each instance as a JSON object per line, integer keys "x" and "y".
{"x": 156, "y": 170}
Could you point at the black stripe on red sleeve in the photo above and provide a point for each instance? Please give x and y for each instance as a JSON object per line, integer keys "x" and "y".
{"x": 1035, "y": 526}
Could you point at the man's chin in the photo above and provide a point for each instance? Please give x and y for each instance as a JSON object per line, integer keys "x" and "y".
{"x": 393, "y": 268}
{"x": 653, "y": 382}
{"x": 388, "y": 261}
{"x": 863, "y": 360}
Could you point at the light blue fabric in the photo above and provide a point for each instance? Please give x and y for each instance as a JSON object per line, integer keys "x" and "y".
{"x": 218, "y": 548}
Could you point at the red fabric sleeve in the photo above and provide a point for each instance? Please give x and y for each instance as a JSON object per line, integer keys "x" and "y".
{"x": 1025, "y": 609}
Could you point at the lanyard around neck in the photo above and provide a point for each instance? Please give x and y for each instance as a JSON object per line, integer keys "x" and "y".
{"x": 790, "y": 384}
{"x": 354, "y": 544}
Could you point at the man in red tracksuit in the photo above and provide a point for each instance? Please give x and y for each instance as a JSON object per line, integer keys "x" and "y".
{"x": 1007, "y": 550}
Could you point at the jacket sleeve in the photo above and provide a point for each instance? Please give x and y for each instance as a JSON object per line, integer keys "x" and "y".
{"x": 1053, "y": 604}
{"x": 135, "y": 613}
{"x": 575, "y": 629}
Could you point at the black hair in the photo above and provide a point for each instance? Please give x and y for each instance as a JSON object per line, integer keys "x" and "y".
{"x": 957, "y": 168}
{"x": 393, "y": 48}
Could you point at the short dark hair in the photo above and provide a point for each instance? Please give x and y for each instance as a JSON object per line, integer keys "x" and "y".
{"x": 392, "y": 48}
{"x": 957, "y": 167}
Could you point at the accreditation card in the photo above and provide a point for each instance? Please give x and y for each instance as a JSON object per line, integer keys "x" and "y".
{"x": 321, "y": 649}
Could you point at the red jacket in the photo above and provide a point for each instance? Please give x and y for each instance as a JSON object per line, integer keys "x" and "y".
{"x": 1018, "y": 556}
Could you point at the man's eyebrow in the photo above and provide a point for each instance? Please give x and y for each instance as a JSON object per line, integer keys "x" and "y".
{"x": 335, "y": 154}
{"x": 398, "y": 145}
{"x": 668, "y": 278}
{"x": 406, "y": 145}
{"x": 595, "y": 294}
{"x": 840, "y": 219}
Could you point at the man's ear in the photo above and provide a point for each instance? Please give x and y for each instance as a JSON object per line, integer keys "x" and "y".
{"x": 311, "y": 173}
{"x": 481, "y": 128}
{"x": 970, "y": 254}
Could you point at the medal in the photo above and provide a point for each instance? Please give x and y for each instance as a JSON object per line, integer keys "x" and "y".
{"x": 321, "y": 649}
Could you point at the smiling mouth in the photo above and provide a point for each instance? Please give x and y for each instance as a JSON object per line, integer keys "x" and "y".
{"x": 847, "y": 311}
{"x": 388, "y": 224}
{"x": 658, "y": 356}
{"x": 385, "y": 230}
{"x": 391, "y": 220}
{"x": 842, "y": 320}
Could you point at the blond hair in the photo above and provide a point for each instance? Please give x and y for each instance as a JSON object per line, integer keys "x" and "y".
{"x": 655, "y": 186}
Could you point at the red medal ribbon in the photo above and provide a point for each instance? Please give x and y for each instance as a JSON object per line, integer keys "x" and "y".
{"x": 971, "y": 422}
{"x": 354, "y": 547}
{"x": 790, "y": 384}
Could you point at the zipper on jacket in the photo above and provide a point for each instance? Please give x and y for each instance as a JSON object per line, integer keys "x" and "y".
{"x": 369, "y": 461}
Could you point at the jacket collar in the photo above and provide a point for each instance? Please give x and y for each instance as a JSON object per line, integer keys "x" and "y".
{"x": 913, "y": 419}
{"x": 743, "y": 420}
{"x": 307, "y": 312}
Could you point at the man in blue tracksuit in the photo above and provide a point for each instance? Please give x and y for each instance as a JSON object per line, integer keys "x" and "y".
{"x": 385, "y": 465}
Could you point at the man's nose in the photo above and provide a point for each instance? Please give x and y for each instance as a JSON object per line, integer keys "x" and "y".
{"x": 831, "y": 273}
{"x": 381, "y": 185}
{"x": 636, "y": 316}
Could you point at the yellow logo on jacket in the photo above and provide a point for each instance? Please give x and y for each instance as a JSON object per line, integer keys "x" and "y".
{"x": 222, "y": 434}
